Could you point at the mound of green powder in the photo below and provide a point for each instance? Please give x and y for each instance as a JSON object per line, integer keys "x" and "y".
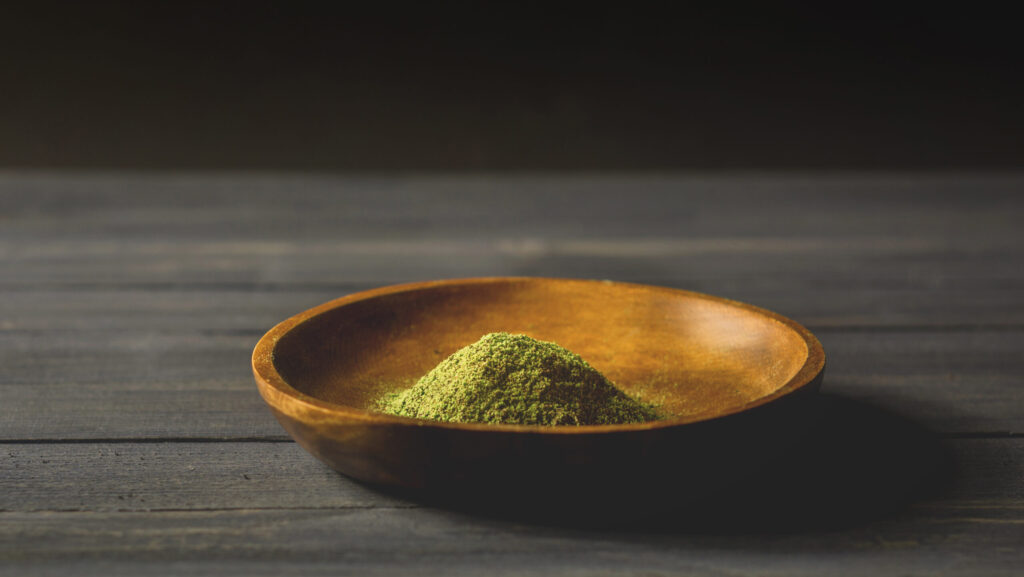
{"x": 515, "y": 379}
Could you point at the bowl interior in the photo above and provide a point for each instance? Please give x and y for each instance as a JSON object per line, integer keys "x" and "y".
{"x": 692, "y": 354}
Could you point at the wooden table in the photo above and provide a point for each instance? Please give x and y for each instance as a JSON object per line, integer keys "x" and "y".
{"x": 134, "y": 441}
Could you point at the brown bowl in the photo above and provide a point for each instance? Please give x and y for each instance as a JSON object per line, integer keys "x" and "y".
{"x": 722, "y": 371}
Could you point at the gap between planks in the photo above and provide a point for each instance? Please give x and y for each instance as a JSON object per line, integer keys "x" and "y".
{"x": 818, "y": 328}
{"x": 284, "y": 439}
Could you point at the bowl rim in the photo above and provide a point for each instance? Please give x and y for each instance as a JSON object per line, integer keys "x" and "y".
{"x": 277, "y": 393}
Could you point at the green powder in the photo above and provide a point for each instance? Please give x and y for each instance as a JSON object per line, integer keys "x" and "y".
{"x": 515, "y": 379}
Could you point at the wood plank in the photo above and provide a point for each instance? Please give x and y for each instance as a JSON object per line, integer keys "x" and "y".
{"x": 924, "y": 250}
{"x": 100, "y": 384}
{"x": 154, "y": 410}
{"x": 136, "y": 359}
{"x": 953, "y": 382}
{"x": 174, "y": 475}
{"x": 191, "y": 505}
{"x": 426, "y": 542}
{"x": 159, "y": 309}
{"x": 896, "y": 232}
{"x": 817, "y": 263}
{"x": 225, "y": 309}
{"x": 81, "y": 205}
{"x": 135, "y": 477}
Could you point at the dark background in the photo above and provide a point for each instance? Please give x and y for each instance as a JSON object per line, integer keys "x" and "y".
{"x": 314, "y": 86}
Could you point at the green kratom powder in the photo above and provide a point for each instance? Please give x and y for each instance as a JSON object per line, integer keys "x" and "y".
{"x": 515, "y": 379}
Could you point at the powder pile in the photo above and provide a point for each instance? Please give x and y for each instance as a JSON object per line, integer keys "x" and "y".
{"x": 515, "y": 379}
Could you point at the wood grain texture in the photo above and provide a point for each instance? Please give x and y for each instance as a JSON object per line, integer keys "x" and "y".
{"x": 130, "y": 303}
{"x": 939, "y": 262}
{"x": 182, "y": 475}
{"x": 424, "y": 542}
{"x": 174, "y": 476}
{"x": 105, "y": 384}
{"x": 161, "y": 507}
{"x": 166, "y": 308}
{"x": 264, "y": 206}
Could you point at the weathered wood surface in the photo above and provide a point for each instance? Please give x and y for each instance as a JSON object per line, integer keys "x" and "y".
{"x": 420, "y": 542}
{"x": 230, "y": 506}
{"x": 139, "y": 384}
{"x": 770, "y": 262}
{"x": 964, "y": 209}
{"x": 162, "y": 308}
{"x": 132, "y": 439}
{"x": 183, "y": 475}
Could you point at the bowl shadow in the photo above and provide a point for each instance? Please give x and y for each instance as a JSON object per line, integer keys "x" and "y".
{"x": 847, "y": 462}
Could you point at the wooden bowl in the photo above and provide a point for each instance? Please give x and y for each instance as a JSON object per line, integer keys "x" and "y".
{"x": 721, "y": 371}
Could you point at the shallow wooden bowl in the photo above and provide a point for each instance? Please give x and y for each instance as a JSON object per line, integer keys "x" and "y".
{"x": 720, "y": 370}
